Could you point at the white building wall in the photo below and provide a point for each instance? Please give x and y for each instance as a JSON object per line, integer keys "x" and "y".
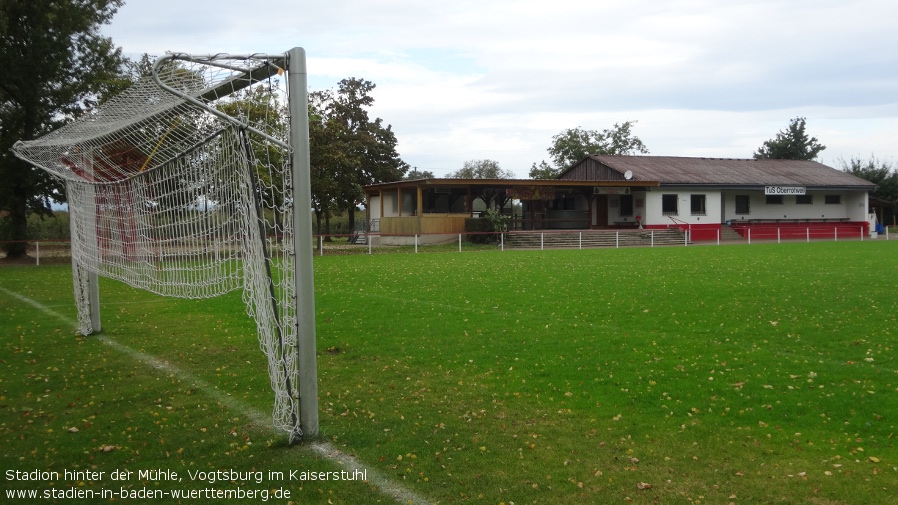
{"x": 852, "y": 205}
{"x": 654, "y": 214}
{"x": 856, "y": 204}
{"x": 374, "y": 208}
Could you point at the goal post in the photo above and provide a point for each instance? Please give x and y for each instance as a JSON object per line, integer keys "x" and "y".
{"x": 195, "y": 182}
{"x": 302, "y": 218}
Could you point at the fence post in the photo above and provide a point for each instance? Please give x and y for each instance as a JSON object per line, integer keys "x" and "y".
{"x": 459, "y": 242}
{"x": 718, "y": 236}
{"x": 501, "y": 241}
{"x": 686, "y": 239}
{"x": 862, "y": 233}
{"x": 777, "y": 235}
{"x": 836, "y": 233}
{"x": 37, "y": 253}
{"x": 416, "y": 243}
{"x": 808, "y": 231}
{"x": 652, "y": 236}
{"x": 581, "y": 240}
{"x": 370, "y": 238}
{"x": 542, "y": 241}
{"x": 749, "y": 236}
{"x": 320, "y": 245}
{"x": 617, "y": 239}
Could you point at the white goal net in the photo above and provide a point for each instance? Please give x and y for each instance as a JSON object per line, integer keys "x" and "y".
{"x": 183, "y": 185}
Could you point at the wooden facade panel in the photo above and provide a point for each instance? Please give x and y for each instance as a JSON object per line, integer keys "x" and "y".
{"x": 400, "y": 225}
{"x": 427, "y": 223}
{"x": 592, "y": 170}
{"x": 443, "y": 223}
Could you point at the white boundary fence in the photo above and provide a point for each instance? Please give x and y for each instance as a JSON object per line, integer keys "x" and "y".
{"x": 56, "y": 251}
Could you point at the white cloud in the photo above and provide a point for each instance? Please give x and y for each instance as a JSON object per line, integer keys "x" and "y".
{"x": 496, "y": 79}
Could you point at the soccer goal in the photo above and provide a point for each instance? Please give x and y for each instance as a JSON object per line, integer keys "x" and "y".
{"x": 193, "y": 183}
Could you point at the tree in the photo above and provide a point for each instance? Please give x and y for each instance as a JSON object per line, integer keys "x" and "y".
{"x": 328, "y": 155}
{"x": 543, "y": 171}
{"x": 264, "y": 109}
{"x": 55, "y": 66}
{"x": 792, "y": 143}
{"x": 414, "y": 174}
{"x": 348, "y": 149}
{"x": 573, "y": 144}
{"x": 883, "y": 173}
{"x": 485, "y": 169}
{"x": 481, "y": 169}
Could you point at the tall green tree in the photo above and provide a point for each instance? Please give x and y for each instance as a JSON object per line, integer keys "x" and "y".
{"x": 349, "y": 149}
{"x": 255, "y": 105}
{"x": 55, "y": 66}
{"x": 573, "y": 144}
{"x": 791, "y": 143}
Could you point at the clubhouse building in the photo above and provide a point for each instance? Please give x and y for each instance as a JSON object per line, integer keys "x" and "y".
{"x": 606, "y": 192}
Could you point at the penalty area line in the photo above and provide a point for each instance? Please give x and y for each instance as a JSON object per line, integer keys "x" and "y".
{"x": 386, "y": 486}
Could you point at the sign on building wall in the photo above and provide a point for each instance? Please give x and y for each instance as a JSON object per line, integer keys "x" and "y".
{"x": 784, "y": 190}
{"x": 531, "y": 193}
{"x": 598, "y": 190}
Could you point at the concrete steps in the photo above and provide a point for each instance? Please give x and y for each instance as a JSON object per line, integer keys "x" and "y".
{"x": 729, "y": 234}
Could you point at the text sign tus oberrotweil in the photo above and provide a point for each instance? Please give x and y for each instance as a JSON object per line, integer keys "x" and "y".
{"x": 784, "y": 190}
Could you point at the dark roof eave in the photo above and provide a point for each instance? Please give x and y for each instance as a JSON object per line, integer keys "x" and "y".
{"x": 507, "y": 183}
{"x": 755, "y": 187}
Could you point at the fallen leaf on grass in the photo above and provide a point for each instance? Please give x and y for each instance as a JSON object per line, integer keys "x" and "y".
{"x": 643, "y": 485}
{"x": 73, "y": 430}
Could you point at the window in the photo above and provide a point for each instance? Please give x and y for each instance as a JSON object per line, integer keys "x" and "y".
{"x": 804, "y": 200}
{"x": 669, "y": 205}
{"x": 743, "y": 204}
{"x": 626, "y": 205}
{"x": 697, "y": 205}
{"x": 774, "y": 199}
{"x": 832, "y": 199}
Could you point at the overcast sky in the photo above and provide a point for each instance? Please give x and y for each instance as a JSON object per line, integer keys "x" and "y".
{"x": 494, "y": 79}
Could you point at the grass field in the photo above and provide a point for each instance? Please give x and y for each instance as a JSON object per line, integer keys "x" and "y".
{"x": 739, "y": 374}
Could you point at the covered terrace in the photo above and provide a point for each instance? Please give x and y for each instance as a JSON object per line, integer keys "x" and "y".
{"x": 441, "y": 206}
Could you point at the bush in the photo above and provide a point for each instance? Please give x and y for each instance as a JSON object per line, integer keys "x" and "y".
{"x": 41, "y": 227}
{"x": 339, "y": 225}
{"x": 483, "y": 229}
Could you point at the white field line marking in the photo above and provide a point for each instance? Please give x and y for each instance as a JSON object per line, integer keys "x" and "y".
{"x": 386, "y": 485}
{"x": 72, "y": 304}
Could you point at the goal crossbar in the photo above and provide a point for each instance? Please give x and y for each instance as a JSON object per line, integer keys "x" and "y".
{"x": 272, "y": 67}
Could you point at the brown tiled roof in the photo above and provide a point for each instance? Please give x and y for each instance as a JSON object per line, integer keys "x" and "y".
{"x": 671, "y": 170}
